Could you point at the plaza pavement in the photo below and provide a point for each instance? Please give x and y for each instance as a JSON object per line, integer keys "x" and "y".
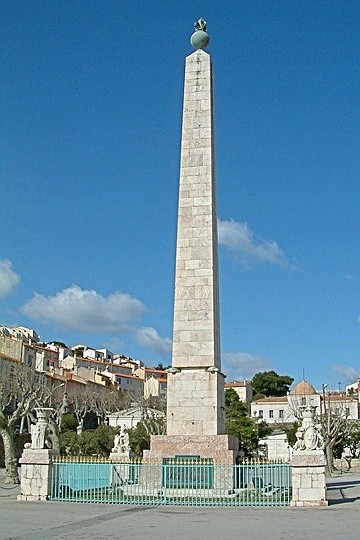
{"x": 53, "y": 520}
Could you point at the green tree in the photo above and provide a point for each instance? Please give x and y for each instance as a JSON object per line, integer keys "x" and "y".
{"x": 68, "y": 422}
{"x": 291, "y": 433}
{"x": 160, "y": 366}
{"x": 139, "y": 439}
{"x": 139, "y": 436}
{"x": 352, "y": 442}
{"x": 269, "y": 383}
{"x": 239, "y": 423}
{"x": 233, "y": 405}
{"x": 97, "y": 442}
{"x": 58, "y": 344}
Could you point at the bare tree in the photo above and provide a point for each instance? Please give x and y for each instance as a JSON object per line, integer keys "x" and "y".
{"x": 335, "y": 426}
{"x": 20, "y": 392}
{"x": 106, "y": 400}
{"x": 92, "y": 398}
{"x": 80, "y": 403}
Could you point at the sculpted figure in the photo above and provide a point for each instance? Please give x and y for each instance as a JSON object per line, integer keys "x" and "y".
{"x": 308, "y": 435}
{"x": 200, "y": 24}
{"x": 300, "y": 444}
{"x": 41, "y": 430}
{"x": 38, "y": 435}
{"x": 121, "y": 441}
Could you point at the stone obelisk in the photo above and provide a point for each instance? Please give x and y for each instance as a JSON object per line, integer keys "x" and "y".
{"x": 195, "y": 388}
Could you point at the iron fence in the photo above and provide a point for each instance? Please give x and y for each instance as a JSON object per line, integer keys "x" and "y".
{"x": 174, "y": 482}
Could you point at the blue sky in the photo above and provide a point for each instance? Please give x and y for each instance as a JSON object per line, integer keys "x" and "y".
{"x": 92, "y": 96}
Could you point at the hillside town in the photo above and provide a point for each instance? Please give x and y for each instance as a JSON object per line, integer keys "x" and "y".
{"x": 121, "y": 388}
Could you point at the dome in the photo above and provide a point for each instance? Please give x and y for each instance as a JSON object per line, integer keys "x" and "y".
{"x": 303, "y": 388}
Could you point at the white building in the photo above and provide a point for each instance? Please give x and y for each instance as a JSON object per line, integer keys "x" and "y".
{"x": 354, "y": 389}
{"x": 279, "y": 410}
{"x": 243, "y": 389}
{"x": 19, "y": 332}
{"x": 155, "y": 381}
{"x": 130, "y": 418}
{"x": 275, "y": 446}
{"x": 96, "y": 354}
{"x": 155, "y": 387}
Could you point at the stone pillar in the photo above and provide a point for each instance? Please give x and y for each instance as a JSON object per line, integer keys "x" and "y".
{"x": 308, "y": 479}
{"x": 35, "y": 474}
{"x": 308, "y": 463}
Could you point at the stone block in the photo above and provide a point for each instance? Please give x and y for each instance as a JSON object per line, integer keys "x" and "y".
{"x": 308, "y": 480}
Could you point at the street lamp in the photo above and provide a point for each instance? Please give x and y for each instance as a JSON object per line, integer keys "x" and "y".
{"x": 323, "y": 408}
{"x": 54, "y": 390}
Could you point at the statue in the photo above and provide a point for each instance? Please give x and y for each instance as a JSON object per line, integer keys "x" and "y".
{"x": 200, "y": 24}
{"x": 300, "y": 444}
{"x": 200, "y": 38}
{"x": 125, "y": 442}
{"x": 308, "y": 435}
{"x": 121, "y": 442}
{"x": 116, "y": 443}
{"x": 42, "y": 430}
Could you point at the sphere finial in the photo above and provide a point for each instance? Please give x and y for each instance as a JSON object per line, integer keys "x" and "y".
{"x": 200, "y": 38}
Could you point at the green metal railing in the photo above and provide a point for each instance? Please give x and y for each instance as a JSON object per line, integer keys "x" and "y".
{"x": 197, "y": 482}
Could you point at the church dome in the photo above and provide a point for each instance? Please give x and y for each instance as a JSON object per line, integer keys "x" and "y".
{"x": 303, "y": 388}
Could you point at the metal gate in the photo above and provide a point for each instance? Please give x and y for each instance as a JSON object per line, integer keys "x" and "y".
{"x": 174, "y": 482}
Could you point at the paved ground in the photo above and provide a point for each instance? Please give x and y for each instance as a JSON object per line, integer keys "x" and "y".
{"x": 52, "y": 520}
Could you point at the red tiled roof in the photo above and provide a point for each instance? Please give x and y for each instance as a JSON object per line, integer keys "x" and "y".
{"x": 272, "y": 399}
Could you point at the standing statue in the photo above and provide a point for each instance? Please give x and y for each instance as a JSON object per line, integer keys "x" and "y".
{"x": 125, "y": 443}
{"x": 116, "y": 443}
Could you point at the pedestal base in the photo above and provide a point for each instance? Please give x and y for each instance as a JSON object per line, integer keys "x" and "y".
{"x": 308, "y": 479}
{"x": 120, "y": 457}
{"x": 35, "y": 474}
{"x": 222, "y": 449}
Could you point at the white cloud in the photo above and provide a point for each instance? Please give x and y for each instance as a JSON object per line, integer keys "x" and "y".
{"x": 149, "y": 338}
{"x": 348, "y": 373}
{"x": 85, "y": 310}
{"x": 8, "y": 278}
{"x": 248, "y": 248}
{"x": 242, "y": 365}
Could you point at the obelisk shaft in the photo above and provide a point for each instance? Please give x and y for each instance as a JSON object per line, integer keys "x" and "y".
{"x": 196, "y": 385}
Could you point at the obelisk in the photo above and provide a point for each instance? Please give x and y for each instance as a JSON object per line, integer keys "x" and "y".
{"x": 195, "y": 387}
{"x": 195, "y": 403}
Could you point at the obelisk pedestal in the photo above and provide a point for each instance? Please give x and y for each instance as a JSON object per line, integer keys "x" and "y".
{"x": 195, "y": 385}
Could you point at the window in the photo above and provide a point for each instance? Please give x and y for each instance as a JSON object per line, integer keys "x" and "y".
{"x": 261, "y": 414}
{"x": 281, "y": 413}
{"x": 271, "y": 413}
{"x": 303, "y": 401}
